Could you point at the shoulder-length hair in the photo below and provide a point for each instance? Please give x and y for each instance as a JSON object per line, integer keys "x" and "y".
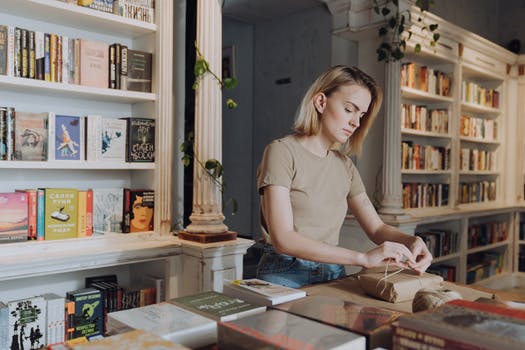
{"x": 307, "y": 120}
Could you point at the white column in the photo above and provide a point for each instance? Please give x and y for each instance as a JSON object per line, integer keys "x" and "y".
{"x": 392, "y": 199}
{"x": 207, "y": 214}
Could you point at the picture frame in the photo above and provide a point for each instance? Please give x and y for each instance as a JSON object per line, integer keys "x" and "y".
{"x": 228, "y": 62}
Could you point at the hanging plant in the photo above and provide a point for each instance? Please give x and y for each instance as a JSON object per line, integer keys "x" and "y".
{"x": 393, "y": 36}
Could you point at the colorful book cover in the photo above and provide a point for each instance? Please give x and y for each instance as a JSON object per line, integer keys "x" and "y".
{"x": 88, "y": 320}
{"x": 261, "y": 292}
{"x": 13, "y": 217}
{"x": 138, "y": 211}
{"x": 32, "y": 206}
{"x": 113, "y": 139}
{"x": 140, "y": 140}
{"x": 68, "y": 137}
{"x": 217, "y": 306}
{"x": 55, "y": 320}
{"x": 107, "y": 209}
{"x": 89, "y": 213}
{"x": 61, "y": 213}
{"x": 31, "y": 136}
{"x": 27, "y": 323}
{"x": 40, "y": 214}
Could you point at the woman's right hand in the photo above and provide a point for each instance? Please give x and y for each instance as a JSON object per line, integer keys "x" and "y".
{"x": 392, "y": 253}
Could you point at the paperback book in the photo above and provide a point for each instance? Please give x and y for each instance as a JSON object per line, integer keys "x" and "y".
{"x": 13, "y": 217}
{"x": 139, "y": 206}
{"x": 261, "y": 292}
{"x": 68, "y": 137}
{"x": 140, "y": 140}
{"x": 61, "y": 213}
{"x": 27, "y": 323}
{"x": 107, "y": 209}
{"x": 31, "y": 136}
{"x": 88, "y": 319}
{"x": 217, "y": 306}
{"x": 137, "y": 339}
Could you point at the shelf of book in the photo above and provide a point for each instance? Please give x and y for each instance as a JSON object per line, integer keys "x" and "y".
{"x": 477, "y": 108}
{"x": 42, "y": 87}
{"x": 419, "y": 95}
{"x": 73, "y": 165}
{"x": 78, "y": 17}
{"x": 425, "y": 172}
{"x": 488, "y": 247}
{"x": 414, "y": 132}
{"x": 478, "y": 172}
{"x": 478, "y": 140}
{"x": 447, "y": 257}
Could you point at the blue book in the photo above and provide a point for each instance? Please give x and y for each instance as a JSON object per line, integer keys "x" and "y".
{"x": 68, "y": 137}
{"x": 40, "y": 214}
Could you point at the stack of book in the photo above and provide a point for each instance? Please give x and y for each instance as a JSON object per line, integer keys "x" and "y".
{"x": 261, "y": 292}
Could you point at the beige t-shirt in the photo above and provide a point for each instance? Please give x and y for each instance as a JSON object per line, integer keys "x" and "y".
{"x": 319, "y": 187}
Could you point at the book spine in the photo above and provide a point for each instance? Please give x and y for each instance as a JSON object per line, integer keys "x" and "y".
{"x": 123, "y": 67}
{"x": 89, "y": 213}
{"x": 31, "y": 54}
{"x": 10, "y": 124}
{"x": 417, "y": 340}
{"x": 126, "y": 213}
{"x": 11, "y": 51}
{"x": 65, "y": 60}
{"x": 51, "y": 121}
{"x": 17, "y": 67}
{"x": 3, "y": 49}
{"x": 53, "y": 57}
{"x": 47, "y": 57}
{"x": 112, "y": 67}
{"x": 24, "y": 53}
{"x": 82, "y": 210}
{"x": 39, "y": 55}
{"x": 3, "y": 133}
{"x": 59, "y": 59}
{"x": 32, "y": 213}
{"x": 40, "y": 218}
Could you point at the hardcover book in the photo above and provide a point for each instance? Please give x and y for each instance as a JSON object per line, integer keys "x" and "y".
{"x": 31, "y": 212}
{"x": 167, "y": 320}
{"x": 27, "y": 323}
{"x": 474, "y": 326}
{"x": 13, "y": 217}
{"x": 55, "y": 321}
{"x": 61, "y": 213}
{"x": 94, "y": 63}
{"x": 217, "y": 306}
{"x": 277, "y": 329}
{"x": 107, "y": 209}
{"x": 137, "y": 339}
{"x": 372, "y": 322}
{"x": 88, "y": 319}
{"x": 138, "y": 77}
{"x": 113, "y": 140}
{"x": 68, "y": 132}
{"x": 261, "y": 292}
{"x": 138, "y": 211}
{"x": 31, "y": 136}
{"x": 140, "y": 140}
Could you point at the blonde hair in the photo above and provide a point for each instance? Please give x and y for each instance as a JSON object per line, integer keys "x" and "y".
{"x": 307, "y": 120}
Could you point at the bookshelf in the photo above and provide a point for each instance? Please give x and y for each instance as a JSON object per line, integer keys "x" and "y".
{"x": 485, "y": 172}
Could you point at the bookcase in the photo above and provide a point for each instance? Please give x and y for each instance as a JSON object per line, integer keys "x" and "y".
{"x": 62, "y": 265}
{"x": 451, "y": 137}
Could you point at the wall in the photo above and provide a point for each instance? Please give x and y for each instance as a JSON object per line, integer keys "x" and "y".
{"x": 237, "y": 127}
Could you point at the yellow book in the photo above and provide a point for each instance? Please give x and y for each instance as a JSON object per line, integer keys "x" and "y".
{"x": 82, "y": 210}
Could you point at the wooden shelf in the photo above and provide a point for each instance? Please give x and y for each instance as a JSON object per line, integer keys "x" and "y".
{"x": 477, "y": 108}
{"x": 420, "y": 95}
{"x": 47, "y": 88}
{"x": 74, "y": 165}
{"x": 405, "y": 131}
{"x": 488, "y": 247}
{"x": 479, "y": 172}
{"x": 445, "y": 258}
{"x": 425, "y": 172}
{"x": 72, "y": 15}
{"x": 476, "y": 140}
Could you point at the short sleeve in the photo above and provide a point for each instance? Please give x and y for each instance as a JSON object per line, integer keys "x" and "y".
{"x": 356, "y": 183}
{"x": 276, "y": 167}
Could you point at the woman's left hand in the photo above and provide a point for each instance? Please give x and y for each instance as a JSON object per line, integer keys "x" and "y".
{"x": 421, "y": 254}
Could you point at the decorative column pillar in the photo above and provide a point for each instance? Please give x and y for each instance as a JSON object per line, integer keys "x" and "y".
{"x": 207, "y": 217}
{"x": 392, "y": 196}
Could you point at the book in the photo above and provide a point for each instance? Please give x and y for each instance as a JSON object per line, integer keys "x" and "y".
{"x": 140, "y": 140}
{"x": 410, "y": 339}
{"x": 138, "y": 210}
{"x": 261, "y": 292}
{"x": 31, "y": 136}
{"x": 372, "y": 322}
{"x": 27, "y": 323}
{"x": 277, "y": 329}
{"x": 13, "y": 217}
{"x": 113, "y": 134}
{"x": 55, "y": 320}
{"x": 94, "y": 62}
{"x": 4, "y": 326}
{"x": 167, "y": 320}
{"x": 151, "y": 281}
{"x": 61, "y": 213}
{"x": 472, "y": 326}
{"x": 138, "y": 71}
{"x": 107, "y": 209}
{"x": 31, "y": 212}
{"x": 217, "y": 306}
{"x": 137, "y": 339}
{"x": 68, "y": 138}
{"x": 88, "y": 319}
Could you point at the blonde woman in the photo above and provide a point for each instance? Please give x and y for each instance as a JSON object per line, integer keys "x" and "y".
{"x": 307, "y": 182}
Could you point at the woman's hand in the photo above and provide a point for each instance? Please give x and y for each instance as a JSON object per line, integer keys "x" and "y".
{"x": 395, "y": 254}
{"x": 422, "y": 256}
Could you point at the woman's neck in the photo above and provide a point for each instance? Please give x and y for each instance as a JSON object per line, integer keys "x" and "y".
{"x": 316, "y": 145}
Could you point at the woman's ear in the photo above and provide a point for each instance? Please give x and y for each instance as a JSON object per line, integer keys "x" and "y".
{"x": 320, "y": 102}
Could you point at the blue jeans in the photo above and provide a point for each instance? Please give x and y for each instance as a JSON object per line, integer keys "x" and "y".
{"x": 294, "y": 272}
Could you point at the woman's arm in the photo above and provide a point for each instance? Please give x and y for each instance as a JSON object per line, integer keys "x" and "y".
{"x": 277, "y": 211}
{"x": 379, "y": 232}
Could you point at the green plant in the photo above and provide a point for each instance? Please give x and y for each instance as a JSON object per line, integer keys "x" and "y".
{"x": 393, "y": 36}
{"x": 212, "y": 167}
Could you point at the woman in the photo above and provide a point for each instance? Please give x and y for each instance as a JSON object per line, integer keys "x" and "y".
{"x": 307, "y": 184}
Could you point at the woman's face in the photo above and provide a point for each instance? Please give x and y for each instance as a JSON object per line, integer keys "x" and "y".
{"x": 141, "y": 214}
{"x": 342, "y": 112}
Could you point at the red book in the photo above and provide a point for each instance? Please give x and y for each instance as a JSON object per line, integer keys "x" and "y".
{"x": 89, "y": 213}
{"x": 492, "y": 308}
{"x": 31, "y": 213}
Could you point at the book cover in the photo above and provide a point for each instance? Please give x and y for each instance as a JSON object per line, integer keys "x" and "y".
{"x": 261, "y": 292}
{"x": 167, "y": 320}
{"x": 94, "y": 62}
{"x": 27, "y": 323}
{"x": 275, "y": 329}
{"x": 372, "y": 322}
{"x": 88, "y": 320}
{"x": 473, "y": 326}
{"x": 4, "y": 326}
{"x": 31, "y": 212}
{"x": 138, "y": 213}
{"x": 68, "y": 137}
{"x": 138, "y": 77}
{"x": 31, "y": 136}
{"x": 3, "y": 49}
{"x": 140, "y": 140}
{"x": 113, "y": 140}
{"x": 217, "y": 306}
{"x": 151, "y": 281}
{"x": 13, "y": 217}
{"x": 107, "y": 209}
{"x": 82, "y": 211}
{"x": 55, "y": 322}
{"x": 61, "y": 213}
{"x": 137, "y": 339}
